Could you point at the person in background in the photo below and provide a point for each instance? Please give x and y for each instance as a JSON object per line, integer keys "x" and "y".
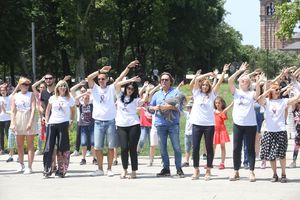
{"x": 188, "y": 137}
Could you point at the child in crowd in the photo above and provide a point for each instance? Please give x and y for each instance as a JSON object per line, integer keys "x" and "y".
{"x": 188, "y": 134}
{"x": 221, "y": 135}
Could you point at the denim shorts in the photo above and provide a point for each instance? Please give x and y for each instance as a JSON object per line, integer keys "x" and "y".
{"x": 87, "y": 135}
{"x": 103, "y": 128}
{"x": 188, "y": 141}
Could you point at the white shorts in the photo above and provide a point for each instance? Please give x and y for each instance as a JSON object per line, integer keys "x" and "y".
{"x": 153, "y": 136}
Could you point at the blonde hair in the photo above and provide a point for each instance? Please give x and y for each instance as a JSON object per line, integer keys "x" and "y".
{"x": 60, "y": 83}
{"x": 209, "y": 85}
{"x": 24, "y": 80}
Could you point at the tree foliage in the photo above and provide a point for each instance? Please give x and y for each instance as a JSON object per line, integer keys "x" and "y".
{"x": 288, "y": 13}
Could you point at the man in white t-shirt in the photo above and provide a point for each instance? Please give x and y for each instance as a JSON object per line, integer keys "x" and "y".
{"x": 104, "y": 114}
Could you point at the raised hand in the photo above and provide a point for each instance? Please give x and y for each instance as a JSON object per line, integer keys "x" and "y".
{"x": 244, "y": 66}
{"x": 226, "y": 67}
{"x": 136, "y": 79}
{"x": 133, "y": 64}
{"x": 105, "y": 69}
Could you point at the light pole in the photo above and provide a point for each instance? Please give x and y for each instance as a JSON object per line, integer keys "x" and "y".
{"x": 33, "y": 50}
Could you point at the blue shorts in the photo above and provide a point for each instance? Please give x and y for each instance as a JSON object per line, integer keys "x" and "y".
{"x": 87, "y": 135}
{"x": 103, "y": 128}
{"x": 188, "y": 141}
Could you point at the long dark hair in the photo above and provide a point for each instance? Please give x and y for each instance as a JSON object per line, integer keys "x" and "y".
{"x": 222, "y": 102}
{"x": 134, "y": 95}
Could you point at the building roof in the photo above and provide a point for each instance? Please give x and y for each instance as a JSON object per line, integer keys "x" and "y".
{"x": 293, "y": 46}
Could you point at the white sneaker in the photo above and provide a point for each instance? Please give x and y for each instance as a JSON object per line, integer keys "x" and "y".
{"x": 109, "y": 173}
{"x": 292, "y": 165}
{"x": 27, "y": 171}
{"x": 21, "y": 168}
{"x": 88, "y": 154}
{"x": 75, "y": 153}
{"x": 98, "y": 172}
{"x": 38, "y": 152}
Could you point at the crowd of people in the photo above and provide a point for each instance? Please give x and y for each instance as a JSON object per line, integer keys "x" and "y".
{"x": 119, "y": 114}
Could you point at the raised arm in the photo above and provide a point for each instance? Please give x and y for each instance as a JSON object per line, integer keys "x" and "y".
{"x": 93, "y": 75}
{"x": 35, "y": 85}
{"x": 180, "y": 85}
{"x": 228, "y": 107}
{"x": 217, "y": 86}
{"x": 119, "y": 84}
{"x": 201, "y": 77}
{"x": 143, "y": 89}
{"x": 126, "y": 70}
{"x": 258, "y": 84}
{"x": 232, "y": 78}
{"x": 294, "y": 100}
{"x": 192, "y": 83}
{"x": 75, "y": 87}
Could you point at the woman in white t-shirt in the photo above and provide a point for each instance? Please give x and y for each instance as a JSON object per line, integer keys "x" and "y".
{"x": 244, "y": 121}
{"x": 128, "y": 123}
{"x": 62, "y": 108}
{"x": 274, "y": 142}
{"x": 202, "y": 119}
{"x": 22, "y": 122}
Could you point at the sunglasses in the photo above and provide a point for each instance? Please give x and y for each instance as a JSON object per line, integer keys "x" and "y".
{"x": 130, "y": 88}
{"x": 48, "y": 78}
{"x": 166, "y": 80}
{"x": 26, "y": 84}
{"x": 101, "y": 79}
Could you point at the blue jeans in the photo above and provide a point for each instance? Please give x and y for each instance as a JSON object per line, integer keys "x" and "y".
{"x": 173, "y": 132}
{"x": 145, "y": 134}
{"x": 103, "y": 128}
{"x": 87, "y": 135}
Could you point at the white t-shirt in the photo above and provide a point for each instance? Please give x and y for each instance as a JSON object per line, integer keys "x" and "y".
{"x": 4, "y": 116}
{"x": 202, "y": 113}
{"x": 104, "y": 102}
{"x": 275, "y": 114}
{"x": 188, "y": 125}
{"x": 23, "y": 101}
{"x": 61, "y": 111}
{"x": 243, "y": 113}
{"x": 127, "y": 113}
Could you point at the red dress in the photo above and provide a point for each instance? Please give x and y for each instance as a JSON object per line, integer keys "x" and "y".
{"x": 221, "y": 135}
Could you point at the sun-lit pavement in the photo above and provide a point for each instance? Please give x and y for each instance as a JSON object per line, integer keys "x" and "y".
{"x": 78, "y": 184}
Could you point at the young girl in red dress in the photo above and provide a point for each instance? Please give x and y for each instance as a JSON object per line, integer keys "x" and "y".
{"x": 221, "y": 135}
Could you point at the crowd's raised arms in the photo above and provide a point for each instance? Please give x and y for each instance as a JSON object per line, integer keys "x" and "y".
{"x": 119, "y": 114}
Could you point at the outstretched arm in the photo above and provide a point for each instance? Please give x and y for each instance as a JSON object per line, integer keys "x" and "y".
{"x": 118, "y": 85}
{"x": 192, "y": 83}
{"x": 232, "y": 78}
{"x": 75, "y": 87}
{"x": 126, "y": 70}
{"x": 217, "y": 86}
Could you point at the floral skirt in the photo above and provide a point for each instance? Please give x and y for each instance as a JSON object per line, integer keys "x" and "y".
{"x": 274, "y": 145}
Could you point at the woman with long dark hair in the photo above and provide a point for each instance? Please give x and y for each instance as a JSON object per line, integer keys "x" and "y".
{"x": 128, "y": 123}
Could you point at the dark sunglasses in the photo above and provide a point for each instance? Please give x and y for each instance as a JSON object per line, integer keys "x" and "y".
{"x": 130, "y": 88}
{"x": 49, "y": 78}
{"x": 25, "y": 84}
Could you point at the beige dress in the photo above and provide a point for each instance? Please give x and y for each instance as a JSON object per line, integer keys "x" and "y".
{"x": 23, "y": 107}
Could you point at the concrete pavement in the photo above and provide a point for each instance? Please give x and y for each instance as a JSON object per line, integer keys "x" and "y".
{"x": 78, "y": 184}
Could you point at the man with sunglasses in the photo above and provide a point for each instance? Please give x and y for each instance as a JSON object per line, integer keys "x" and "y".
{"x": 165, "y": 127}
{"x": 104, "y": 114}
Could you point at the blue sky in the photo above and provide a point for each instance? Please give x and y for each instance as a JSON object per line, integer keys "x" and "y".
{"x": 243, "y": 16}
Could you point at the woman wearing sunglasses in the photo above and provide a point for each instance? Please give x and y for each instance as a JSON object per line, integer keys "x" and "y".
{"x": 22, "y": 119}
{"x": 62, "y": 108}
{"x": 128, "y": 123}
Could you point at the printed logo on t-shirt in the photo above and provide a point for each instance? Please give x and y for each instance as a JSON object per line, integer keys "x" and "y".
{"x": 204, "y": 100}
{"x": 274, "y": 111}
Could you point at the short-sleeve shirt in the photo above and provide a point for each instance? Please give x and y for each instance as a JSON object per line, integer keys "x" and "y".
{"x": 104, "y": 102}
{"x": 159, "y": 98}
{"x": 45, "y": 96}
{"x": 4, "y": 116}
{"x": 61, "y": 109}
{"x": 202, "y": 113}
{"x": 243, "y": 113}
{"x": 23, "y": 101}
{"x": 188, "y": 125}
{"x": 127, "y": 112}
{"x": 275, "y": 114}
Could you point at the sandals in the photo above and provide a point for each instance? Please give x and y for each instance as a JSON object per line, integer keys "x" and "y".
{"x": 274, "y": 178}
{"x": 252, "y": 177}
{"x": 196, "y": 174}
{"x": 283, "y": 179}
{"x": 235, "y": 177}
{"x": 123, "y": 175}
